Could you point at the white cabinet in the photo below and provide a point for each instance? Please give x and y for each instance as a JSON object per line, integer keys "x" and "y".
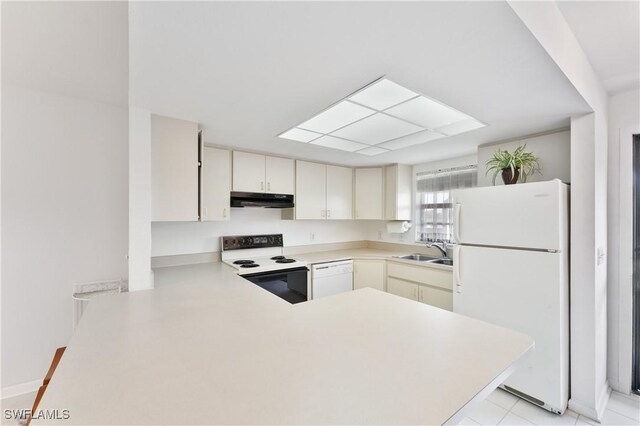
{"x": 429, "y": 285}
{"x": 368, "y": 273}
{"x": 310, "y": 197}
{"x": 397, "y": 192}
{"x": 369, "y": 200}
{"x": 215, "y": 184}
{"x": 339, "y": 192}
{"x": 174, "y": 169}
{"x": 262, "y": 173}
{"x": 248, "y": 172}
{"x": 323, "y": 191}
{"x": 402, "y": 288}
{"x": 279, "y": 175}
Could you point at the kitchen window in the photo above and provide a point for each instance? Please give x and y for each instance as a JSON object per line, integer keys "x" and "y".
{"x": 434, "y": 215}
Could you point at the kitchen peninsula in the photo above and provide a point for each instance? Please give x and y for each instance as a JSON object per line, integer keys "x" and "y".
{"x": 210, "y": 347}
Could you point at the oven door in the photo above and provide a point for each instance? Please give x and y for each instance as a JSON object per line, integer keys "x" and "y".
{"x": 288, "y": 284}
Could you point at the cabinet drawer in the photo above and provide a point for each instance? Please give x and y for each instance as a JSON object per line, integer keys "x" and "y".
{"x": 431, "y": 276}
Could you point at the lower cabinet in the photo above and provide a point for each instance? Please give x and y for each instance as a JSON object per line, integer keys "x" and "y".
{"x": 402, "y": 288}
{"x": 368, "y": 273}
{"x": 433, "y": 286}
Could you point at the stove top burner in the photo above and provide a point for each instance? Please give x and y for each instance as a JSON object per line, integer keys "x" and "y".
{"x": 285, "y": 260}
{"x": 278, "y": 258}
{"x": 249, "y": 265}
{"x": 243, "y": 262}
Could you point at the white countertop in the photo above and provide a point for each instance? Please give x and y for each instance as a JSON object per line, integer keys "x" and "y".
{"x": 363, "y": 253}
{"x": 210, "y": 347}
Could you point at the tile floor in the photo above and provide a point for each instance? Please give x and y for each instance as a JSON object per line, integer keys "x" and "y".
{"x": 502, "y": 408}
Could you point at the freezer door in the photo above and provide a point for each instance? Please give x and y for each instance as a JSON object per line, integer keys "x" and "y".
{"x": 531, "y": 215}
{"x": 525, "y": 291}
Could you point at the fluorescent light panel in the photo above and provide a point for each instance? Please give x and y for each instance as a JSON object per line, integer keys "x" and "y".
{"x": 336, "y": 143}
{"x": 382, "y": 116}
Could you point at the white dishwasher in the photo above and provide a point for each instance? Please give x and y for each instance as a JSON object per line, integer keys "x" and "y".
{"x": 331, "y": 278}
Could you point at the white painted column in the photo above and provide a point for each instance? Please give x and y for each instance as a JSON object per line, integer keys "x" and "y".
{"x": 140, "y": 273}
{"x": 589, "y": 387}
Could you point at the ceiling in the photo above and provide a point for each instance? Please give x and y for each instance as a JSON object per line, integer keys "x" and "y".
{"x": 609, "y": 34}
{"x": 249, "y": 71}
{"x": 77, "y": 49}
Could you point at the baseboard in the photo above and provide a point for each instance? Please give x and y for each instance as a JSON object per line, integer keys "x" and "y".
{"x": 594, "y": 413}
{"x": 20, "y": 389}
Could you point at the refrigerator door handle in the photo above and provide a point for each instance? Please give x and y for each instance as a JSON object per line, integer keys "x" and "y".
{"x": 456, "y": 222}
{"x": 456, "y": 268}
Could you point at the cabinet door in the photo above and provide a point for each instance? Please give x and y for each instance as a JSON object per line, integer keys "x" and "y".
{"x": 369, "y": 193}
{"x": 280, "y": 175}
{"x": 174, "y": 169}
{"x": 436, "y": 296}
{"x": 310, "y": 190}
{"x": 216, "y": 184}
{"x": 402, "y": 288}
{"x": 368, "y": 273}
{"x": 397, "y": 192}
{"x": 339, "y": 192}
{"x": 248, "y": 172}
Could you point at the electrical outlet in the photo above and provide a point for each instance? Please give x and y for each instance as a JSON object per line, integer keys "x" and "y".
{"x": 312, "y": 236}
{"x": 379, "y": 235}
{"x": 401, "y": 237}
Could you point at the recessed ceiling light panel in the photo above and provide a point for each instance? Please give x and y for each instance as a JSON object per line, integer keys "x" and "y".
{"x": 460, "y": 127}
{"x": 335, "y": 117}
{"x": 414, "y": 139}
{"x": 337, "y": 143}
{"x": 427, "y": 113}
{"x": 376, "y": 129}
{"x": 382, "y": 95}
{"x": 372, "y": 150}
{"x": 300, "y": 135}
{"x": 382, "y": 116}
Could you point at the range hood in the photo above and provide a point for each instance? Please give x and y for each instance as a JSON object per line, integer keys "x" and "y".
{"x": 260, "y": 199}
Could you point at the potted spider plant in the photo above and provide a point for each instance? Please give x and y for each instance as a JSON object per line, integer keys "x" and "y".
{"x": 514, "y": 167}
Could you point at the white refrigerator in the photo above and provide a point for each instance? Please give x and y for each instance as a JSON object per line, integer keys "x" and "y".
{"x": 511, "y": 269}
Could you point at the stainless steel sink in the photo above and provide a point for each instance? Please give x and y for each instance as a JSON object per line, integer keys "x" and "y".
{"x": 419, "y": 257}
{"x": 443, "y": 261}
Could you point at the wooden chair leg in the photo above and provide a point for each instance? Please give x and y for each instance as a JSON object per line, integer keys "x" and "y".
{"x": 36, "y": 402}
{"x": 54, "y": 364}
{"x": 52, "y": 368}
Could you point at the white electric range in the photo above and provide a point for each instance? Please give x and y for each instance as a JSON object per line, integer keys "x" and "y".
{"x": 259, "y": 259}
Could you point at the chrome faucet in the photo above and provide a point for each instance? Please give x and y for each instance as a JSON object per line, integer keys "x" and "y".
{"x": 440, "y": 245}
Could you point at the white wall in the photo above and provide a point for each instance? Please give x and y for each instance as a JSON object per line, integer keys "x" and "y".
{"x": 171, "y": 238}
{"x": 64, "y": 171}
{"x": 624, "y": 113}
{"x": 553, "y": 152}
{"x": 64, "y": 218}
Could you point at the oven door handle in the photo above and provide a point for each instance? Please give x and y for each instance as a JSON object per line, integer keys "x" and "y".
{"x": 276, "y": 272}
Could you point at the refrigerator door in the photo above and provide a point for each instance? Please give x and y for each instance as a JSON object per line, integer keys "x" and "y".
{"x": 525, "y": 291}
{"x": 531, "y": 215}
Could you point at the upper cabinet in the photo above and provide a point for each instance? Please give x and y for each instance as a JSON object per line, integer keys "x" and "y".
{"x": 311, "y": 185}
{"x": 369, "y": 189}
{"x": 397, "y": 192}
{"x": 279, "y": 175}
{"x": 215, "y": 184}
{"x": 323, "y": 191}
{"x": 262, "y": 173}
{"x": 174, "y": 169}
{"x": 339, "y": 192}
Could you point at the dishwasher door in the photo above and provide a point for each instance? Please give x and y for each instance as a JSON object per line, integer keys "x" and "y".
{"x": 331, "y": 278}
